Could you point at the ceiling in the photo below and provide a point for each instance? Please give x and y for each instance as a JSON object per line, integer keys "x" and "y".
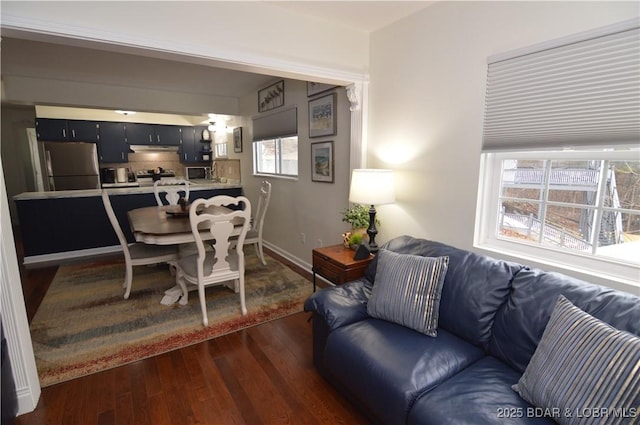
{"x": 366, "y": 16}
{"x": 107, "y": 67}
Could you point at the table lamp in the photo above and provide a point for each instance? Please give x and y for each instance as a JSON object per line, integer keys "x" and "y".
{"x": 372, "y": 187}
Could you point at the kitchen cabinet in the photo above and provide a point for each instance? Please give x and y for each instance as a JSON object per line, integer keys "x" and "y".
{"x": 189, "y": 146}
{"x": 77, "y": 222}
{"x": 153, "y": 134}
{"x": 61, "y": 130}
{"x": 113, "y": 146}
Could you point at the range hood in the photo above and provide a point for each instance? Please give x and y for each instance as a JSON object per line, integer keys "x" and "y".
{"x": 153, "y": 148}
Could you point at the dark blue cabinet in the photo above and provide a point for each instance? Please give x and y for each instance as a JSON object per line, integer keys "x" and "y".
{"x": 113, "y": 146}
{"x": 65, "y": 225}
{"x": 188, "y": 151}
{"x": 192, "y": 147}
{"x": 153, "y": 134}
{"x": 61, "y": 130}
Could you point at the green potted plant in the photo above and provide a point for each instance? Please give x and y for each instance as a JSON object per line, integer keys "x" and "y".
{"x": 355, "y": 239}
{"x": 358, "y": 217}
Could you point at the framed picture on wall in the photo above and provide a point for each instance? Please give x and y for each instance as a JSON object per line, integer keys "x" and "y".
{"x": 322, "y": 162}
{"x": 237, "y": 139}
{"x": 322, "y": 116}
{"x": 317, "y": 88}
{"x": 271, "y": 97}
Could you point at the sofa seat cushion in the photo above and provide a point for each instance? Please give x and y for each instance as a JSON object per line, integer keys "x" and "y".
{"x": 386, "y": 366}
{"x": 480, "y": 394}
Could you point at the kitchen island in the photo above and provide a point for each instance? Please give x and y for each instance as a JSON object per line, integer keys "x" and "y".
{"x": 71, "y": 224}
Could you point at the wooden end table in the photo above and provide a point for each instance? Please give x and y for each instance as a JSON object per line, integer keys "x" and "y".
{"x": 336, "y": 264}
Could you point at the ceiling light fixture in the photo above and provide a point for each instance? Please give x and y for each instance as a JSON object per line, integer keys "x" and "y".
{"x": 125, "y": 112}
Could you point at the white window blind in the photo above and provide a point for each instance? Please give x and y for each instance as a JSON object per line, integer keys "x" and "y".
{"x": 272, "y": 125}
{"x": 576, "y": 92}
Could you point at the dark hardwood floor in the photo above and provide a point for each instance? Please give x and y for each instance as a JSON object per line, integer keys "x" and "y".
{"x": 261, "y": 375}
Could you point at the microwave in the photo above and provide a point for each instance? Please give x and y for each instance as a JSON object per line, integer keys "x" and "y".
{"x": 197, "y": 173}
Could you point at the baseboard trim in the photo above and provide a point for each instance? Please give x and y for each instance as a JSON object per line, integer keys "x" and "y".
{"x": 70, "y": 256}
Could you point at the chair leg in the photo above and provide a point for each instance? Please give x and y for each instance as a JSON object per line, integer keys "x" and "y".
{"x": 243, "y": 304}
{"x": 184, "y": 299}
{"x": 128, "y": 277}
{"x": 203, "y": 305}
{"x": 259, "y": 252}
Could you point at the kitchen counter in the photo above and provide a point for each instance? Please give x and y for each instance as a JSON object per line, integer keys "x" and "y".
{"x": 193, "y": 187}
{"x": 72, "y": 224}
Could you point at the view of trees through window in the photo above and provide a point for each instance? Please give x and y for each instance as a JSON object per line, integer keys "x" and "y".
{"x": 587, "y": 206}
{"x": 276, "y": 156}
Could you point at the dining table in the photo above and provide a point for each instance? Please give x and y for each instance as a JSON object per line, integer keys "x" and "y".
{"x": 169, "y": 225}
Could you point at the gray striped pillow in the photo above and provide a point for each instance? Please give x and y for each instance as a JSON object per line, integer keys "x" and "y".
{"x": 407, "y": 290}
{"x": 585, "y": 369}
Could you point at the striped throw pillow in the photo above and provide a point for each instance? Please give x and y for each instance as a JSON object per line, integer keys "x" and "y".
{"x": 586, "y": 370}
{"x": 407, "y": 290}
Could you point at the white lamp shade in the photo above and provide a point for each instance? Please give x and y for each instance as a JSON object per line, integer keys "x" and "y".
{"x": 372, "y": 187}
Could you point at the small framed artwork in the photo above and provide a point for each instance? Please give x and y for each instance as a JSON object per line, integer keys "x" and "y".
{"x": 271, "y": 97}
{"x": 317, "y": 88}
{"x": 322, "y": 162}
{"x": 322, "y": 116}
{"x": 237, "y": 139}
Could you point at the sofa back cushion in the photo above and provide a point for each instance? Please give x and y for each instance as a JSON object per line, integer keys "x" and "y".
{"x": 475, "y": 286}
{"x": 521, "y": 321}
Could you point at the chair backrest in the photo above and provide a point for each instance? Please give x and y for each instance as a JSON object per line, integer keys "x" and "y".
{"x": 206, "y": 215}
{"x": 115, "y": 224}
{"x": 263, "y": 204}
{"x": 172, "y": 189}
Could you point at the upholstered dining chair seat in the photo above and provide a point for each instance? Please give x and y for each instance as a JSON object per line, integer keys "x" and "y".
{"x": 189, "y": 264}
{"x": 144, "y": 251}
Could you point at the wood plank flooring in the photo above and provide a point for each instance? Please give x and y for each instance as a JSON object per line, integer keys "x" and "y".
{"x": 261, "y": 375}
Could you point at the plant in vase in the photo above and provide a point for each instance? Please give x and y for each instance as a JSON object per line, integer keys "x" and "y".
{"x": 358, "y": 217}
{"x": 355, "y": 239}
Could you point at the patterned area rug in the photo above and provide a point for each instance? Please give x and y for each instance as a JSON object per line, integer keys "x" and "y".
{"x": 84, "y": 325}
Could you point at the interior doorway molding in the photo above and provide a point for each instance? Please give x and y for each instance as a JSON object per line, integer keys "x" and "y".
{"x": 14, "y": 319}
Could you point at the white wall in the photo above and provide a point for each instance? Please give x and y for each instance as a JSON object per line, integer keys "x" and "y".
{"x": 427, "y": 101}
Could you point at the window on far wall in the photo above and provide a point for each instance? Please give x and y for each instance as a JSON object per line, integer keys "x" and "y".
{"x": 276, "y": 156}
{"x": 560, "y": 168}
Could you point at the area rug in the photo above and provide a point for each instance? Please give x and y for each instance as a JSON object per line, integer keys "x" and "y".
{"x": 84, "y": 325}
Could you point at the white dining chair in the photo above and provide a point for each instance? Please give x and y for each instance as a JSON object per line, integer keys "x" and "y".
{"x": 137, "y": 254}
{"x": 254, "y": 235}
{"x": 172, "y": 189}
{"x": 225, "y": 262}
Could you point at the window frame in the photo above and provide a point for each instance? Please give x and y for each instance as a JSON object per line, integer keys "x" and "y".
{"x": 485, "y": 232}
{"x": 278, "y": 159}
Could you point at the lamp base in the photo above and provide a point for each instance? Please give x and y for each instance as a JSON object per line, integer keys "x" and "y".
{"x": 372, "y": 231}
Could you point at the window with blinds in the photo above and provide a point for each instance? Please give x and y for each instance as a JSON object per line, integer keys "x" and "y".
{"x": 275, "y": 143}
{"x": 560, "y": 179}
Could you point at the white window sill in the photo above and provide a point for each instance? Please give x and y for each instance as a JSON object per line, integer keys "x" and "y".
{"x": 622, "y": 277}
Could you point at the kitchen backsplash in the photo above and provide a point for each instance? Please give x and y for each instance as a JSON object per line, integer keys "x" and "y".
{"x": 150, "y": 160}
{"x": 227, "y": 168}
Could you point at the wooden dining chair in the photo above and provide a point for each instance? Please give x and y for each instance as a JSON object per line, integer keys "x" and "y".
{"x": 225, "y": 262}
{"x": 254, "y": 235}
{"x": 137, "y": 254}
{"x": 172, "y": 189}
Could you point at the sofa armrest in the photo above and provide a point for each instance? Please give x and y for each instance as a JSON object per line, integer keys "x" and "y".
{"x": 341, "y": 305}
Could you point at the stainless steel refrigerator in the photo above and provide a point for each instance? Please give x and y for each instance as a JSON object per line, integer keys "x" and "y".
{"x": 70, "y": 165}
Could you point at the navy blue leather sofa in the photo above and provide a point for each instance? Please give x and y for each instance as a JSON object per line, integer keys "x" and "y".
{"x": 492, "y": 316}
